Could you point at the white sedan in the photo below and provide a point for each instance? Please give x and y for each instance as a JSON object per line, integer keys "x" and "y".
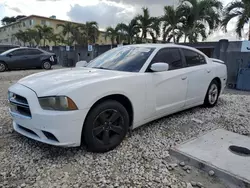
{"x": 118, "y": 91}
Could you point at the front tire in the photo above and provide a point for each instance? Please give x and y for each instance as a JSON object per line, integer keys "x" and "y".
{"x": 105, "y": 127}
{"x": 212, "y": 95}
{"x": 46, "y": 65}
{"x": 3, "y": 67}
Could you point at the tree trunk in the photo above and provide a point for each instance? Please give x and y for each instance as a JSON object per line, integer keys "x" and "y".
{"x": 68, "y": 39}
{"x": 44, "y": 41}
{"x": 142, "y": 36}
{"x": 185, "y": 38}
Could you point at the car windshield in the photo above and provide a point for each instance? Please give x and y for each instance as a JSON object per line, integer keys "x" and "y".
{"x": 6, "y": 52}
{"x": 126, "y": 58}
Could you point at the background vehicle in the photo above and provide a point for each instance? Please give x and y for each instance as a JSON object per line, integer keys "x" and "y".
{"x": 26, "y": 58}
{"x": 4, "y": 48}
{"x": 122, "y": 89}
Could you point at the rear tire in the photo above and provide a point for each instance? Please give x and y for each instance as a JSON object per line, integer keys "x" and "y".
{"x": 212, "y": 95}
{"x": 3, "y": 67}
{"x": 105, "y": 127}
{"x": 46, "y": 65}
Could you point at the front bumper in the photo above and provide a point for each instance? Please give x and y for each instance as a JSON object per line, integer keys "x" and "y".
{"x": 59, "y": 128}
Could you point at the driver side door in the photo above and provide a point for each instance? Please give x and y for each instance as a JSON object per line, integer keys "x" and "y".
{"x": 17, "y": 59}
{"x": 169, "y": 88}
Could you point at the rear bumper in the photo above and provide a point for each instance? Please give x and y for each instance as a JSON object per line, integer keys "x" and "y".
{"x": 223, "y": 84}
{"x": 59, "y": 128}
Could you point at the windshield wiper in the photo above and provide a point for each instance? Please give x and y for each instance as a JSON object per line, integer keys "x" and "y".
{"x": 100, "y": 68}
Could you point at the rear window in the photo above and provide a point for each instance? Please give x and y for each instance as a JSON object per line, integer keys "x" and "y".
{"x": 193, "y": 58}
{"x": 33, "y": 52}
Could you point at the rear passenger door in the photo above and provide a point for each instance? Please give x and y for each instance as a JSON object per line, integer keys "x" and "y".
{"x": 33, "y": 57}
{"x": 199, "y": 76}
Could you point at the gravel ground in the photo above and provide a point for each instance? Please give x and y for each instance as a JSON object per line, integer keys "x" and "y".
{"x": 142, "y": 160}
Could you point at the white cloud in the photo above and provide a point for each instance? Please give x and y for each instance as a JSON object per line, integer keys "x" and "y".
{"x": 106, "y": 14}
{"x": 146, "y": 2}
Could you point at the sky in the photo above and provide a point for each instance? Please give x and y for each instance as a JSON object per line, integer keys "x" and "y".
{"x": 105, "y": 12}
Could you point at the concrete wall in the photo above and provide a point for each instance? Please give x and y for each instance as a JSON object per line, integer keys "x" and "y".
{"x": 77, "y": 53}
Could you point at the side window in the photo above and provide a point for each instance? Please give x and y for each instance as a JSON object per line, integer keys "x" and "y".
{"x": 33, "y": 52}
{"x": 19, "y": 52}
{"x": 193, "y": 58}
{"x": 171, "y": 56}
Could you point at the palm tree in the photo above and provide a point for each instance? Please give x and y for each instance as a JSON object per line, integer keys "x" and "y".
{"x": 171, "y": 20}
{"x": 147, "y": 23}
{"x": 67, "y": 29}
{"x": 77, "y": 36}
{"x": 89, "y": 32}
{"x": 199, "y": 15}
{"x": 45, "y": 32}
{"x": 56, "y": 38}
{"x": 241, "y": 10}
{"x": 130, "y": 30}
{"x": 92, "y": 31}
{"x": 33, "y": 36}
{"x": 154, "y": 31}
{"x": 112, "y": 33}
{"x": 21, "y": 36}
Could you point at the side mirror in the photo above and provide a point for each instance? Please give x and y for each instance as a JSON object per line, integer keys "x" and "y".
{"x": 159, "y": 67}
{"x": 81, "y": 63}
{"x": 10, "y": 54}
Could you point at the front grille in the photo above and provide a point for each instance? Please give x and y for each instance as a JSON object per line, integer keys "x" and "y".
{"x": 27, "y": 130}
{"x": 50, "y": 136}
{"x": 19, "y": 105}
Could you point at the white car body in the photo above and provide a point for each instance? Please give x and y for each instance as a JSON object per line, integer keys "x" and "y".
{"x": 152, "y": 95}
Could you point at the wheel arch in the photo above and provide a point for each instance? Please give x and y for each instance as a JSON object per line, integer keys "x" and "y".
{"x": 121, "y": 98}
{"x": 4, "y": 64}
{"x": 217, "y": 79}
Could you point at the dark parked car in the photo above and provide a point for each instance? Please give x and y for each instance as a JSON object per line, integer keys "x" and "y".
{"x": 17, "y": 58}
{"x": 6, "y": 47}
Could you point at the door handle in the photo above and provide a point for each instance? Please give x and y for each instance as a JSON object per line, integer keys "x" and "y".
{"x": 208, "y": 71}
{"x": 184, "y": 78}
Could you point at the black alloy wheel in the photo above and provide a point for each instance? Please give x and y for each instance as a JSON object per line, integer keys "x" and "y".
{"x": 105, "y": 127}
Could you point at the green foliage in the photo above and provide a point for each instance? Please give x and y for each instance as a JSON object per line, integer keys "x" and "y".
{"x": 239, "y": 9}
{"x": 200, "y": 18}
{"x": 113, "y": 34}
{"x": 8, "y": 20}
{"x": 44, "y": 32}
{"x": 21, "y": 36}
{"x": 129, "y": 31}
{"x": 190, "y": 21}
{"x": 148, "y": 25}
{"x": 69, "y": 30}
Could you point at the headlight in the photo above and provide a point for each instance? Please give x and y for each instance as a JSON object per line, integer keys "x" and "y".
{"x": 60, "y": 103}
{"x": 10, "y": 95}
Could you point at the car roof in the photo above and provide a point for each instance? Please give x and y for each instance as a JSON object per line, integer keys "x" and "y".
{"x": 161, "y": 45}
{"x": 167, "y": 45}
{"x": 28, "y": 48}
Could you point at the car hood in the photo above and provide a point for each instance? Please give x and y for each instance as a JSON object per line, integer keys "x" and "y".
{"x": 55, "y": 81}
